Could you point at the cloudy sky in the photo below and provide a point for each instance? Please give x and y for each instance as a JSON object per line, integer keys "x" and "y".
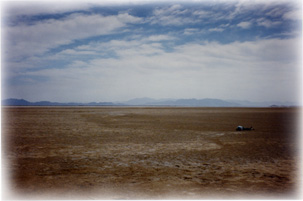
{"x": 115, "y": 51}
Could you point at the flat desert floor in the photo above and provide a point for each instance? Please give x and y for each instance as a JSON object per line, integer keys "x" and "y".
{"x": 149, "y": 153}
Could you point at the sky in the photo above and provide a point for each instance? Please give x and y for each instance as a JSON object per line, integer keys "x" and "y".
{"x": 119, "y": 50}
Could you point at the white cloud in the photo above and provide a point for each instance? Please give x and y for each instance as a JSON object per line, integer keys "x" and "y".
{"x": 202, "y": 13}
{"x": 173, "y": 15}
{"x": 126, "y": 18}
{"x": 174, "y": 9}
{"x": 44, "y": 35}
{"x": 244, "y": 25}
{"x": 275, "y": 12}
{"x": 267, "y": 23}
{"x": 270, "y": 8}
{"x": 14, "y": 9}
{"x": 191, "y": 31}
{"x": 147, "y": 45}
{"x": 140, "y": 65}
{"x": 216, "y": 30}
{"x": 77, "y": 52}
{"x": 293, "y": 15}
{"x": 168, "y": 20}
{"x": 160, "y": 37}
{"x": 260, "y": 70}
{"x": 25, "y": 8}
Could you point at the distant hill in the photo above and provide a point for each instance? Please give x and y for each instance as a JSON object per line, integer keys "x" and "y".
{"x": 246, "y": 103}
{"x": 22, "y": 102}
{"x": 207, "y": 102}
{"x": 16, "y": 102}
{"x": 196, "y": 103}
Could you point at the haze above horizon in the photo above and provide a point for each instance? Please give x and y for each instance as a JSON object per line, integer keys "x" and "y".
{"x": 116, "y": 51}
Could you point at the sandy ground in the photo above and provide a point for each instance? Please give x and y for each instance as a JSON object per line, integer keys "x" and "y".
{"x": 149, "y": 153}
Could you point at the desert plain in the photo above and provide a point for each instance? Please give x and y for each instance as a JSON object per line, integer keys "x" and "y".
{"x": 150, "y": 153}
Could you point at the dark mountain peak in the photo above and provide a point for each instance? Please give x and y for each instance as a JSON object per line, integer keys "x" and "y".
{"x": 17, "y": 102}
{"x": 22, "y": 102}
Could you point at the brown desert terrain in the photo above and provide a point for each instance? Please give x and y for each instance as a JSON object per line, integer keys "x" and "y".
{"x": 150, "y": 153}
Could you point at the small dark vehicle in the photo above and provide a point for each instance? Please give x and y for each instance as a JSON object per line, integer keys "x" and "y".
{"x": 241, "y": 128}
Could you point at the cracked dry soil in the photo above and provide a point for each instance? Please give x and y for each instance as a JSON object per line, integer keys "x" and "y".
{"x": 149, "y": 153}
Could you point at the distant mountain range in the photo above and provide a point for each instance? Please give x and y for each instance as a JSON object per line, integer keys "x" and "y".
{"x": 22, "y": 102}
{"x": 207, "y": 102}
